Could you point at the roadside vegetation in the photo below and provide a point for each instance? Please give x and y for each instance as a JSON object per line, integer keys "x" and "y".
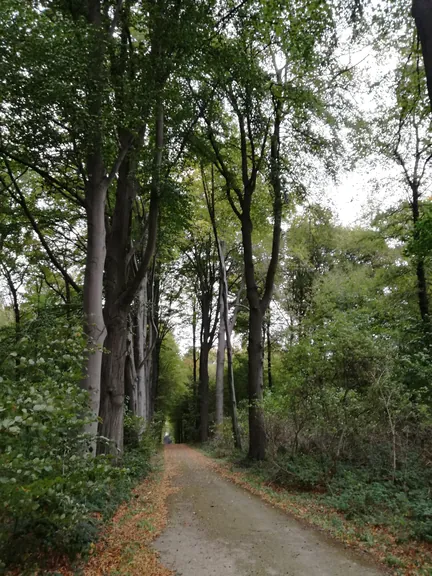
{"x": 173, "y": 255}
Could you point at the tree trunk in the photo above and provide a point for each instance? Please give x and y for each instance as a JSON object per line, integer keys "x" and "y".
{"x": 154, "y": 289}
{"x": 220, "y": 363}
{"x": 116, "y": 314}
{"x": 229, "y": 326}
{"x": 422, "y": 291}
{"x": 155, "y": 376}
{"x": 92, "y": 295}
{"x": 257, "y": 435}
{"x": 15, "y": 303}
{"x": 203, "y": 391}
{"x": 194, "y": 347}
{"x": 151, "y": 343}
{"x": 269, "y": 353}
{"x": 422, "y": 13}
{"x": 95, "y": 196}
{"x": 141, "y": 352}
{"x": 113, "y": 371}
{"x": 130, "y": 372}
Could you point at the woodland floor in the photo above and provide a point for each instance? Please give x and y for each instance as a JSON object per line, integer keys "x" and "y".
{"x": 217, "y": 528}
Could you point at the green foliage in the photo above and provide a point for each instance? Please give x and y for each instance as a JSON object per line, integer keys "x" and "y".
{"x": 349, "y": 419}
{"x": 52, "y": 490}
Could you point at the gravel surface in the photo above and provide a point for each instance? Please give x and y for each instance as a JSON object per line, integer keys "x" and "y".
{"x": 218, "y": 529}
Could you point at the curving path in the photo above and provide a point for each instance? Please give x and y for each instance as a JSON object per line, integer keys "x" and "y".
{"x": 218, "y": 529}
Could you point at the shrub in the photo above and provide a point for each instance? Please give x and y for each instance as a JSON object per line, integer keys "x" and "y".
{"x": 53, "y": 492}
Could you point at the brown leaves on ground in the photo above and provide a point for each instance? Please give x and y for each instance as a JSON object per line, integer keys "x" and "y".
{"x": 125, "y": 548}
{"x": 410, "y": 558}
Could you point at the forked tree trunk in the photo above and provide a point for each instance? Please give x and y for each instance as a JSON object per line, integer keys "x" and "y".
{"x": 116, "y": 314}
{"x": 257, "y": 305}
{"x": 113, "y": 393}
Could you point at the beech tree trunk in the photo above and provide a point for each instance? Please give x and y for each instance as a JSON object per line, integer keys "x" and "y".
{"x": 203, "y": 384}
{"x": 155, "y": 347}
{"x": 116, "y": 314}
{"x": 220, "y": 362}
{"x": 422, "y": 290}
{"x": 92, "y": 293}
{"x": 95, "y": 195}
{"x": 257, "y": 435}
{"x": 269, "y": 353}
{"x": 141, "y": 351}
{"x": 422, "y": 13}
{"x": 130, "y": 371}
{"x": 194, "y": 347}
{"x": 203, "y": 391}
{"x": 229, "y": 326}
{"x": 257, "y": 305}
{"x": 113, "y": 391}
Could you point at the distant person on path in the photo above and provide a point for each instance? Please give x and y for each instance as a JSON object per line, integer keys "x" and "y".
{"x": 167, "y": 439}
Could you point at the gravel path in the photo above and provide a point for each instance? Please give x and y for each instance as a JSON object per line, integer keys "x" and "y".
{"x": 218, "y": 529}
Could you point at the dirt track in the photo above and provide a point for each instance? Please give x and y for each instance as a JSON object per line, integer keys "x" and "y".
{"x": 218, "y": 529}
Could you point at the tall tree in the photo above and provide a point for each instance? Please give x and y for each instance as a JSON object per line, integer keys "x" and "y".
{"x": 422, "y": 14}
{"x": 260, "y": 103}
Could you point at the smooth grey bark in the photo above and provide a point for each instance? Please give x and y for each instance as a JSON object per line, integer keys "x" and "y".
{"x": 96, "y": 188}
{"x": 422, "y": 14}
{"x": 15, "y": 302}
{"x": 95, "y": 196}
{"x": 220, "y": 362}
{"x": 115, "y": 314}
{"x": 203, "y": 383}
{"x": 130, "y": 371}
{"x": 269, "y": 351}
{"x": 422, "y": 291}
{"x": 194, "y": 347}
{"x": 229, "y": 326}
{"x": 414, "y": 181}
{"x": 141, "y": 352}
{"x": 154, "y": 338}
{"x": 202, "y": 266}
{"x": 121, "y": 286}
{"x": 94, "y": 324}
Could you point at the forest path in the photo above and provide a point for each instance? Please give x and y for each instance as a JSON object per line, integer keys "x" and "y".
{"x": 216, "y": 528}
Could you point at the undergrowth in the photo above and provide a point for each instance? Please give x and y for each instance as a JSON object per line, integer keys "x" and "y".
{"x": 48, "y": 536}
{"x": 365, "y": 496}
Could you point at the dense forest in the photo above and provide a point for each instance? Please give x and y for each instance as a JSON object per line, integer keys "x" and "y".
{"x": 171, "y": 258}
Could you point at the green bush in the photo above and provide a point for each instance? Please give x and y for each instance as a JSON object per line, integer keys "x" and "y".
{"x": 301, "y": 471}
{"x": 53, "y": 491}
